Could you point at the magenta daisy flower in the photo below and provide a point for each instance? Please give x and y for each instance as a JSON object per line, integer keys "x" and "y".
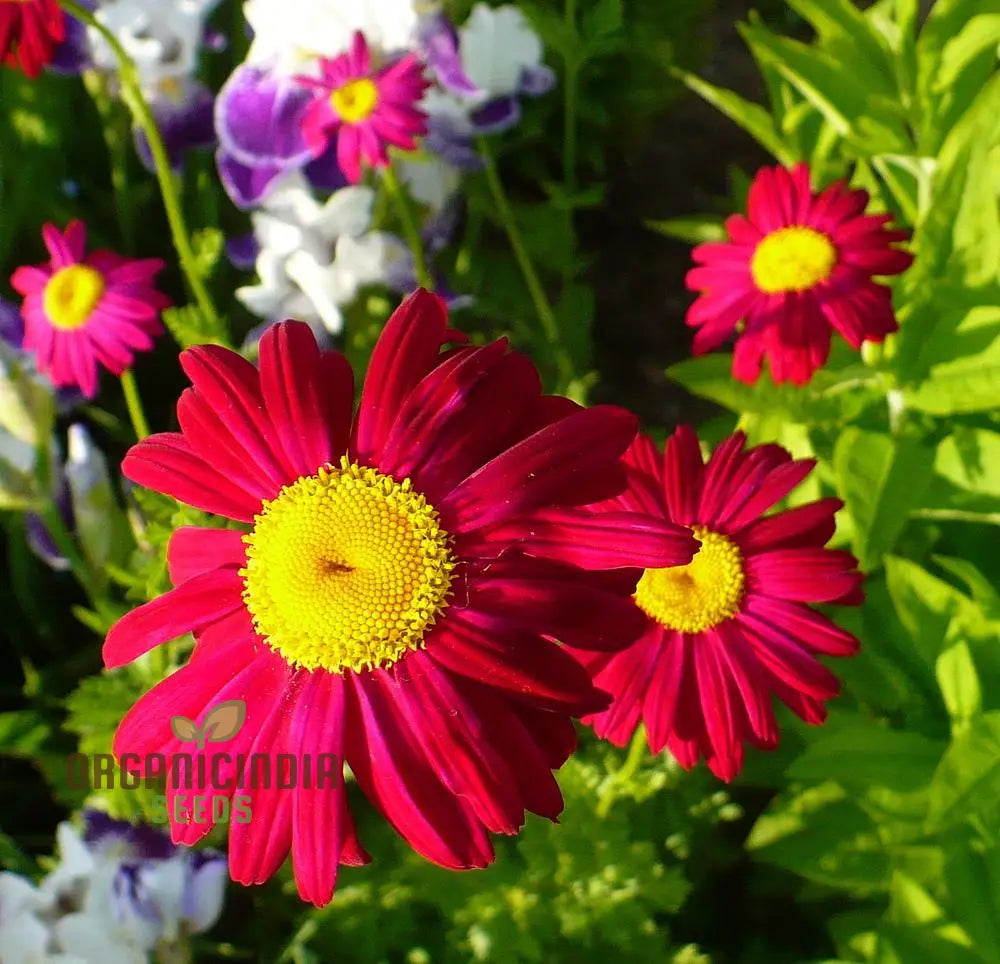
{"x": 365, "y": 109}
{"x": 392, "y": 593}
{"x": 30, "y": 30}
{"x": 84, "y": 310}
{"x": 799, "y": 265}
{"x": 734, "y": 628}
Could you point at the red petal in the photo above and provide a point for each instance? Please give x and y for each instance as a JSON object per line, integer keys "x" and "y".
{"x": 407, "y": 350}
{"x": 193, "y": 604}
{"x": 521, "y": 664}
{"x": 609, "y": 540}
{"x": 572, "y": 462}
{"x": 396, "y": 776}
{"x": 290, "y": 373}
{"x": 194, "y": 550}
{"x": 165, "y": 463}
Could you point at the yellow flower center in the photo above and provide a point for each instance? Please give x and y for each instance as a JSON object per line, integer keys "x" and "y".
{"x": 355, "y": 101}
{"x": 71, "y": 295}
{"x": 792, "y": 259}
{"x": 702, "y": 594}
{"x": 346, "y": 569}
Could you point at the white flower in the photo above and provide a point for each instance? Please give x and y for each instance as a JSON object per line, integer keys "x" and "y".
{"x": 163, "y": 37}
{"x": 24, "y": 939}
{"x": 290, "y": 35}
{"x": 313, "y": 257}
{"x": 497, "y": 46}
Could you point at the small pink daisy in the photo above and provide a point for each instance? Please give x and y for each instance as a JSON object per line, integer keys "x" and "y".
{"x": 366, "y": 110}
{"x": 81, "y": 310}
{"x": 800, "y": 265}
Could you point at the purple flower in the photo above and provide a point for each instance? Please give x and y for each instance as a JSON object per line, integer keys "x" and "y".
{"x": 186, "y": 124}
{"x": 258, "y": 119}
{"x": 438, "y": 41}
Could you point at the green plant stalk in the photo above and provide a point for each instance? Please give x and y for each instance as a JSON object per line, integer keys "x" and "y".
{"x": 543, "y": 309}
{"x": 133, "y": 402}
{"x": 409, "y": 224}
{"x": 136, "y": 102}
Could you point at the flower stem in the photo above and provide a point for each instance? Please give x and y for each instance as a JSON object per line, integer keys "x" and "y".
{"x": 409, "y": 224}
{"x": 143, "y": 116}
{"x": 133, "y": 402}
{"x": 546, "y": 316}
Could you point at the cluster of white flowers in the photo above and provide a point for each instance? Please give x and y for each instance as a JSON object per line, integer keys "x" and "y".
{"x": 106, "y": 902}
{"x": 314, "y": 255}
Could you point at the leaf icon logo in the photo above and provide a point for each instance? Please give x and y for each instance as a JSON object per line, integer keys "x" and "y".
{"x": 222, "y": 722}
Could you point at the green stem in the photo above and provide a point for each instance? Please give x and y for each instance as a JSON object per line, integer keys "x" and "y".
{"x": 569, "y": 107}
{"x": 410, "y": 230}
{"x": 133, "y": 402}
{"x": 636, "y": 752}
{"x": 546, "y": 316}
{"x": 143, "y": 116}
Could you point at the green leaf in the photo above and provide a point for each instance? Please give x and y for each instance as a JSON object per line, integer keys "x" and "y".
{"x": 825, "y": 837}
{"x": 967, "y": 781}
{"x": 881, "y": 479}
{"x": 959, "y": 684}
{"x": 845, "y": 32}
{"x": 831, "y": 397}
{"x": 694, "y": 230}
{"x": 925, "y": 604}
{"x": 189, "y": 326}
{"x": 753, "y": 118}
{"x": 965, "y": 375}
{"x": 862, "y": 754}
{"x": 834, "y": 89}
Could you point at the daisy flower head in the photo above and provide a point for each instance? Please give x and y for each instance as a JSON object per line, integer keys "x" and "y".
{"x": 799, "y": 265}
{"x": 365, "y": 109}
{"x": 30, "y": 31}
{"x": 735, "y": 627}
{"x": 395, "y": 589}
{"x": 84, "y": 310}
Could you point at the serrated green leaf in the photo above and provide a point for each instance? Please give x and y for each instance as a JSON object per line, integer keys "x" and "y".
{"x": 881, "y": 480}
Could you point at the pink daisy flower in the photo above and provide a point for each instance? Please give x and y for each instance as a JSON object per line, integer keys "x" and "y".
{"x": 734, "y": 628}
{"x": 365, "y": 109}
{"x": 30, "y": 30}
{"x": 799, "y": 265}
{"x": 84, "y": 310}
{"x": 392, "y": 593}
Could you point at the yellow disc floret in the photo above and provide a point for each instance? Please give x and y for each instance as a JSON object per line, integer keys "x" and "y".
{"x": 71, "y": 295}
{"x": 700, "y": 595}
{"x": 346, "y": 570}
{"x": 355, "y": 100}
{"x": 792, "y": 259}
